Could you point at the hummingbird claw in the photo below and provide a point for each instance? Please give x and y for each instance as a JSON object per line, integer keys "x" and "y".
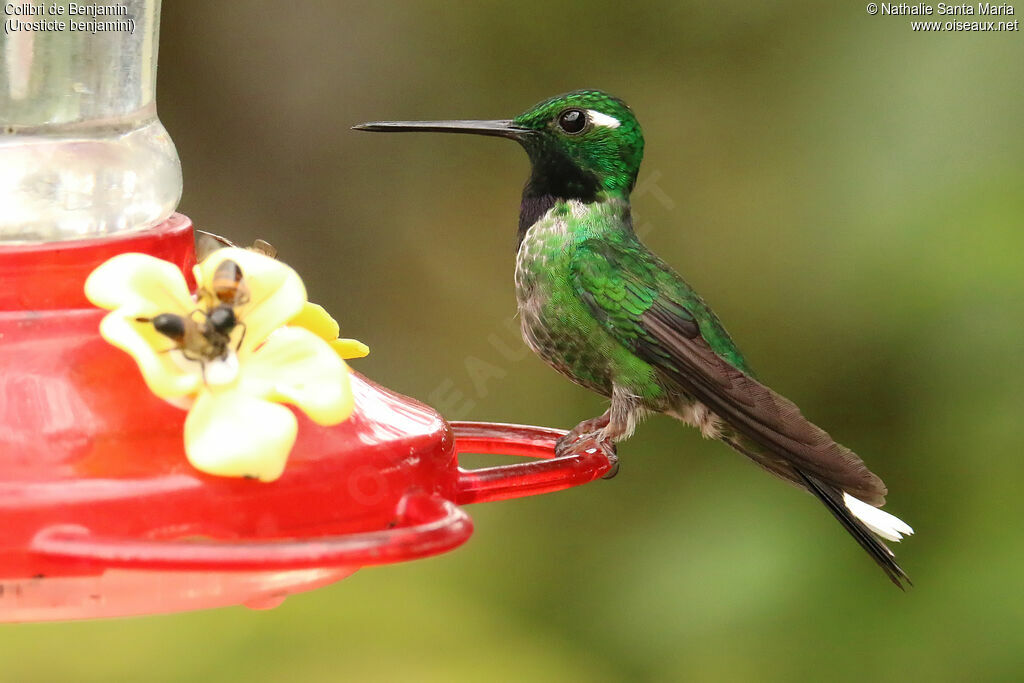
{"x": 575, "y": 443}
{"x": 566, "y": 445}
{"x": 587, "y": 428}
{"x": 613, "y": 458}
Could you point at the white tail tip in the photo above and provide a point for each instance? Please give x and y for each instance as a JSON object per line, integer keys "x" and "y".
{"x": 882, "y": 523}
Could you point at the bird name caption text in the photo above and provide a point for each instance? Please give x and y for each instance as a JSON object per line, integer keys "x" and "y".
{"x": 69, "y": 17}
{"x": 947, "y": 17}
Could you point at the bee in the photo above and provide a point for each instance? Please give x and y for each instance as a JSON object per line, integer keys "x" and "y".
{"x": 205, "y": 335}
{"x": 229, "y": 286}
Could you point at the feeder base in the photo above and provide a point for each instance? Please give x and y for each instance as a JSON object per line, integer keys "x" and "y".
{"x": 125, "y": 592}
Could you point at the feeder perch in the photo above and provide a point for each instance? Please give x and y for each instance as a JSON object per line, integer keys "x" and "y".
{"x": 100, "y": 513}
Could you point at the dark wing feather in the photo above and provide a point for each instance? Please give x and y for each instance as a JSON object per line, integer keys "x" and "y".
{"x": 878, "y": 551}
{"x": 661, "y": 330}
{"x": 832, "y": 499}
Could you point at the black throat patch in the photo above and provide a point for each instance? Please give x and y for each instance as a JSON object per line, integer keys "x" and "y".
{"x": 554, "y": 177}
{"x": 530, "y": 211}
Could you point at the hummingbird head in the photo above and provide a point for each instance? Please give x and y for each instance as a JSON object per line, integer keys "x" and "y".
{"x": 582, "y": 145}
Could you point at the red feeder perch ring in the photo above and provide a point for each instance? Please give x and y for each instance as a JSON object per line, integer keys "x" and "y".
{"x": 103, "y": 516}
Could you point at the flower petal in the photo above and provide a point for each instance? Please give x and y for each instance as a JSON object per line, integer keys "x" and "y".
{"x": 141, "y": 285}
{"x": 275, "y": 292}
{"x": 295, "y": 366}
{"x": 167, "y": 373}
{"x": 232, "y": 434}
{"x": 350, "y": 348}
{"x": 317, "y": 320}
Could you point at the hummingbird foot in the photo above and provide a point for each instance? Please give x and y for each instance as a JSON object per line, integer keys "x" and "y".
{"x": 567, "y": 444}
{"x": 613, "y": 458}
{"x": 590, "y": 434}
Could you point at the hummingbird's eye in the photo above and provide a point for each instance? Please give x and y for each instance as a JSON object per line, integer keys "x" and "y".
{"x": 572, "y": 121}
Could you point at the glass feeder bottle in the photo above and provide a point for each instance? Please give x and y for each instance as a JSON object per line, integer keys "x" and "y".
{"x": 82, "y": 153}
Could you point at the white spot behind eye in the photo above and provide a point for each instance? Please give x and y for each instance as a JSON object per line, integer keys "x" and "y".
{"x": 600, "y": 119}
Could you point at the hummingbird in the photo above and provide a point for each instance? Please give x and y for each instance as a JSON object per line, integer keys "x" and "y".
{"x": 604, "y": 311}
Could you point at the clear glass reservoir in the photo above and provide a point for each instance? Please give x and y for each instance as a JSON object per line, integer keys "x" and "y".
{"x": 82, "y": 153}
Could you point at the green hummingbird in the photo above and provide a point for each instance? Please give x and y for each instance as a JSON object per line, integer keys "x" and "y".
{"x": 604, "y": 311}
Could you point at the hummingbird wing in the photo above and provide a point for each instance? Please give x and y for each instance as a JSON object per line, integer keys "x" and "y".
{"x": 650, "y": 310}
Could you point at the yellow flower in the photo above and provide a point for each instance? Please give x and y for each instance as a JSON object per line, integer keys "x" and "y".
{"x": 280, "y": 351}
{"x": 318, "y": 321}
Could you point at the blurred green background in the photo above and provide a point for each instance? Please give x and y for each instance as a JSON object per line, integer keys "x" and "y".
{"x": 848, "y": 195}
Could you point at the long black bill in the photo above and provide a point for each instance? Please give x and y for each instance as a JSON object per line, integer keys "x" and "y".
{"x": 501, "y": 129}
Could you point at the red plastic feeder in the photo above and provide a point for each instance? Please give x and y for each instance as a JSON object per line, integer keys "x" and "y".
{"x": 101, "y": 515}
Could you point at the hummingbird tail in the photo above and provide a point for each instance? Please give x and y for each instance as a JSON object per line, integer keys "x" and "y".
{"x": 861, "y": 520}
{"x": 863, "y": 525}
